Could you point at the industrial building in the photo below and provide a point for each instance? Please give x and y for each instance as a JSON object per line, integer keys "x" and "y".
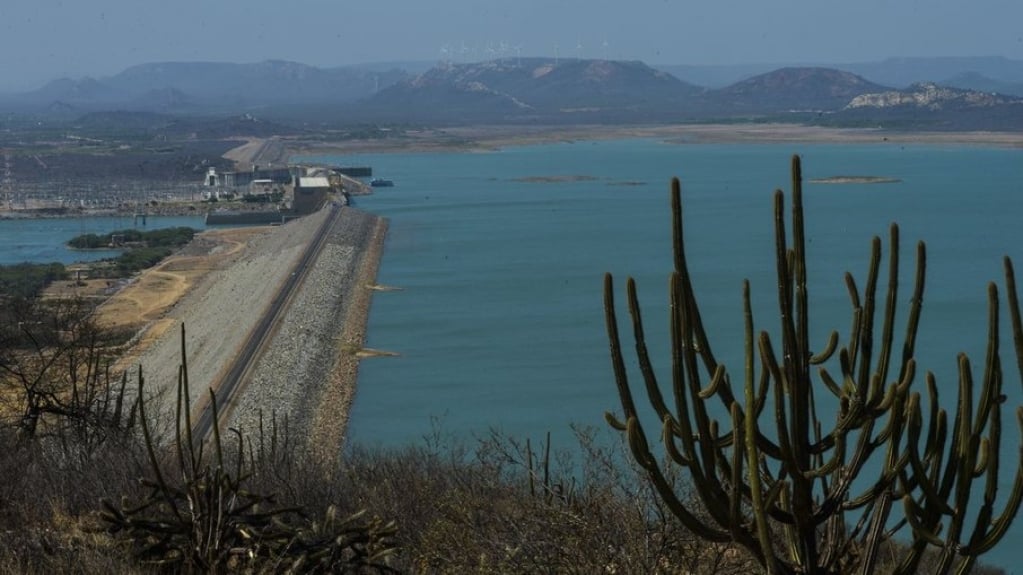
{"x": 310, "y": 194}
{"x": 279, "y": 176}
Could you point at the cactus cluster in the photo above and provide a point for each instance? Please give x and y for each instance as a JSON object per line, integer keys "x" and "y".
{"x": 770, "y": 476}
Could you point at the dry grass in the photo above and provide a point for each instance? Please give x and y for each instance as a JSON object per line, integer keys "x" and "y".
{"x": 160, "y": 287}
{"x": 143, "y": 304}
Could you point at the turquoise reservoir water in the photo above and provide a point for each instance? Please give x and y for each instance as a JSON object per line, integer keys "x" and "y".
{"x": 500, "y": 257}
{"x": 43, "y": 240}
{"x": 499, "y": 322}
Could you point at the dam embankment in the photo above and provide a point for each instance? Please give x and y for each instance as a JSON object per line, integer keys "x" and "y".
{"x": 308, "y": 371}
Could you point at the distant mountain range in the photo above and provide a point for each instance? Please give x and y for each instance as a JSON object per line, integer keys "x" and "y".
{"x": 205, "y": 87}
{"x": 541, "y": 90}
{"x": 533, "y": 89}
{"x": 896, "y": 72}
{"x": 792, "y": 89}
{"x": 597, "y": 91}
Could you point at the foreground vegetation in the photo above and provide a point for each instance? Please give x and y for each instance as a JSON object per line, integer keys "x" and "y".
{"x": 27, "y": 280}
{"x": 164, "y": 237}
{"x": 96, "y": 479}
{"x": 74, "y": 438}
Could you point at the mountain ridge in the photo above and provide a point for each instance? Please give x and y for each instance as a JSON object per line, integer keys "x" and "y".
{"x": 506, "y": 90}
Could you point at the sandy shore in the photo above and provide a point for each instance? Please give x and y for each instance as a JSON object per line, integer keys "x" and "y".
{"x": 489, "y": 138}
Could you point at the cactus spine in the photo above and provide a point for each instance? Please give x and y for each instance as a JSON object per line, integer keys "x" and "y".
{"x": 785, "y": 492}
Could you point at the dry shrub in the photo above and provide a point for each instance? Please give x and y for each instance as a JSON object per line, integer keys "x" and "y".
{"x": 505, "y": 507}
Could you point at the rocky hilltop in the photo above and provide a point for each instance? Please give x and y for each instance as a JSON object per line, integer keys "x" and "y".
{"x": 933, "y": 97}
{"x": 521, "y": 89}
{"x": 794, "y": 89}
{"x": 928, "y": 106}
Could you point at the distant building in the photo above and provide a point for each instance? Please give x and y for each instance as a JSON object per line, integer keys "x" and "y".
{"x": 212, "y": 179}
{"x": 257, "y": 187}
{"x": 279, "y": 176}
{"x": 355, "y": 171}
{"x": 310, "y": 193}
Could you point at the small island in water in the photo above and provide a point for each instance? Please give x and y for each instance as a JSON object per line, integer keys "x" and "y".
{"x": 855, "y": 180}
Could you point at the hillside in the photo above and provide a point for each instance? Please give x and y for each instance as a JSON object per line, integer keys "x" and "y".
{"x": 982, "y": 83}
{"x": 933, "y": 107}
{"x": 549, "y": 91}
{"x": 534, "y": 89}
{"x": 207, "y": 87}
{"x": 792, "y": 89}
{"x": 904, "y": 72}
{"x": 896, "y": 72}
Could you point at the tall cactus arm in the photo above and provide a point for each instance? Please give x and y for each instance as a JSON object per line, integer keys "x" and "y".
{"x": 989, "y": 464}
{"x": 1014, "y": 314}
{"x": 681, "y": 267}
{"x": 709, "y": 451}
{"x": 921, "y": 531}
{"x": 937, "y": 428}
{"x": 1000, "y": 525}
{"x": 770, "y": 363}
{"x": 789, "y": 376}
{"x": 852, "y": 348}
{"x": 678, "y": 369}
{"x": 915, "y": 305}
{"x": 829, "y": 349}
{"x": 641, "y": 450}
{"x": 965, "y": 445}
{"x": 864, "y": 344}
{"x": 990, "y": 387}
{"x": 749, "y": 443}
{"x": 864, "y": 448}
{"x": 888, "y": 476}
{"x": 617, "y": 360}
{"x": 798, "y": 278}
{"x": 736, "y": 480}
{"x": 888, "y": 326}
{"x": 697, "y": 444}
{"x": 924, "y": 479}
{"x": 669, "y": 432}
{"x": 646, "y": 368}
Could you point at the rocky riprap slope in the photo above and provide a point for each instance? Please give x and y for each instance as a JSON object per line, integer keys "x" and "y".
{"x": 309, "y": 357}
{"x": 308, "y": 371}
{"x": 221, "y": 310}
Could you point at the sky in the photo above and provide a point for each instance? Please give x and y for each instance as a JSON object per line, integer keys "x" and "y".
{"x": 42, "y": 40}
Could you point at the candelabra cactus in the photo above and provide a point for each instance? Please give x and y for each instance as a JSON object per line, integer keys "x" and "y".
{"x": 771, "y": 478}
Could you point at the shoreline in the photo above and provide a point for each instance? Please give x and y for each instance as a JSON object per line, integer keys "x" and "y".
{"x": 329, "y": 426}
{"x": 479, "y": 139}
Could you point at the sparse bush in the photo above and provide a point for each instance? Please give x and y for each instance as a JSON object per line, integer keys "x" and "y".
{"x": 201, "y": 513}
{"x": 502, "y": 506}
{"x": 27, "y": 280}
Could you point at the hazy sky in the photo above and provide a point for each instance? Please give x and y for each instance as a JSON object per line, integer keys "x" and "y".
{"x": 41, "y": 40}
